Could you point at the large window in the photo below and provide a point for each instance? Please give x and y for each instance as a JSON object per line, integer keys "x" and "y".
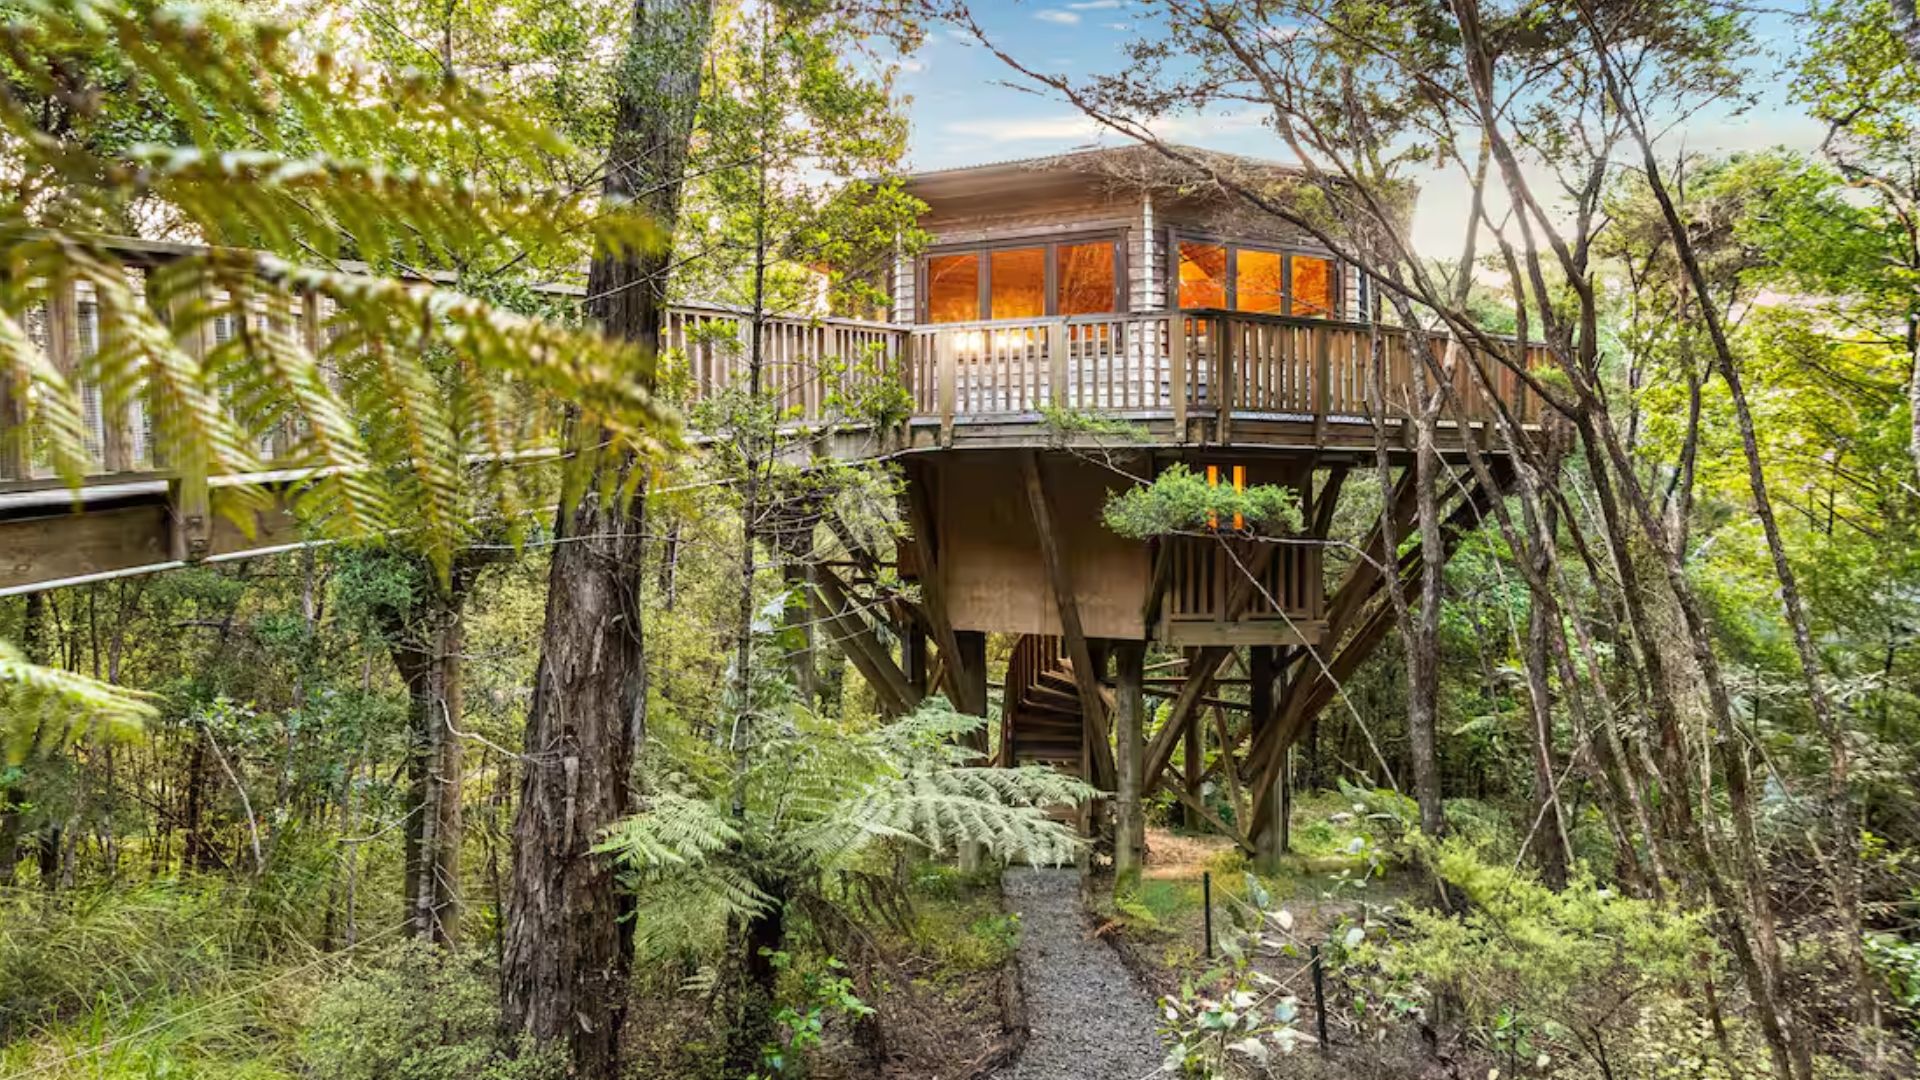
{"x": 1023, "y": 281}
{"x": 1089, "y": 278}
{"x": 1262, "y": 280}
{"x": 953, "y": 287}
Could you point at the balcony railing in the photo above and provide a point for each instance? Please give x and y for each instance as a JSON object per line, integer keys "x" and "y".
{"x": 1182, "y": 364}
{"x": 1179, "y": 366}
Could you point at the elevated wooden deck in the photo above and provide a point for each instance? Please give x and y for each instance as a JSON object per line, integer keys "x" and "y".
{"x": 1187, "y": 380}
{"x": 1177, "y": 379}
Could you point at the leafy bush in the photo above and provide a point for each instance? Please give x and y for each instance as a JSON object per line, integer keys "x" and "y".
{"x": 1898, "y": 962}
{"x": 1181, "y": 500}
{"x": 1533, "y": 972}
{"x": 1229, "y": 1022}
{"x": 418, "y": 1013}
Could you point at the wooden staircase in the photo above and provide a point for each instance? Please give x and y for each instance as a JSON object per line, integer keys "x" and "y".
{"x": 1042, "y": 720}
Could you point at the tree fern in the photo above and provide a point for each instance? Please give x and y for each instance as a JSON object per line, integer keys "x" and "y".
{"x": 45, "y": 709}
{"x": 816, "y": 800}
{"x": 402, "y": 402}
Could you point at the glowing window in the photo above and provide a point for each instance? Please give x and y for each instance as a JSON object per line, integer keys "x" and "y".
{"x": 1086, "y": 276}
{"x": 1257, "y": 282}
{"x": 1313, "y": 287}
{"x": 1203, "y": 275}
{"x": 1017, "y": 283}
{"x": 953, "y": 288}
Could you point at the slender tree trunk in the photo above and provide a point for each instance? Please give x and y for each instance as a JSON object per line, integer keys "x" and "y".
{"x": 1842, "y": 856}
{"x": 426, "y": 646}
{"x": 567, "y": 951}
{"x": 1550, "y": 845}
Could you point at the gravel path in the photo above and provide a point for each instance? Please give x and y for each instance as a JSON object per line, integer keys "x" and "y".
{"x": 1090, "y": 1020}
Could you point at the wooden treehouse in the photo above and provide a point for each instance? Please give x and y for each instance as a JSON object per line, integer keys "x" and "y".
{"x": 1053, "y": 293}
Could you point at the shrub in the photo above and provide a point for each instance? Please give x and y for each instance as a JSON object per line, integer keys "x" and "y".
{"x": 1533, "y": 972}
{"x": 417, "y": 1013}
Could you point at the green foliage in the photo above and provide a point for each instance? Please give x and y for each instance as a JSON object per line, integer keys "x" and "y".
{"x": 1063, "y": 423}
{"x": 1230, "y": 1021}
{"x": 820, "y": 994}
{"x": 1898, "y": 962}
{"x": 284, "y": 152}
{"x": 794, "y": 192}
{"x": 815, "y": 800}
{"x": 1180, "y": 500}
{"x": 1533, "y": 971}
{"x": 44, "y": 709}
{"x": 417, "y": 1013}
{"x": 115, "y": 948}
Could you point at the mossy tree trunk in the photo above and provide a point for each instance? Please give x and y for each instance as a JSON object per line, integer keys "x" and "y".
{"x": 567, "y": 953}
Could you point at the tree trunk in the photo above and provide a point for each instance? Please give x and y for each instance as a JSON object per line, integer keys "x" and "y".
{"x": 1549, "y": 843}
{"x": 568, "y": 948}
{"x": 426, "y": 647}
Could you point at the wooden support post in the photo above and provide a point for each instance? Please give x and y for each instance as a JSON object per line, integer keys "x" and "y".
{"x": 1261, "y": 694}
{"x": 1196, "y": 754}
{"x": 943, "y": 349}
{"x": 1322, "y": 392}
{"x": 972, "y": 646}
{"x": 933, "y": 594}
{"x": 190, "y": 506}
{"x": 1086, "y": 677}
{"x": 1129, "y": 721}
{"x": 913, "y": 656}
{"x": 1223, "y": 350}
{"x": 1057, "y": 360}
{"x": 1177, "y": 372}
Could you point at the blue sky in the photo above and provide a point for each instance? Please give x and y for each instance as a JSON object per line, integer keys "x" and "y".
{"x": 963, "y": 114}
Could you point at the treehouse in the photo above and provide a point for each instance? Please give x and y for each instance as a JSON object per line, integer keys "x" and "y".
{"x": 1075, "y": 326}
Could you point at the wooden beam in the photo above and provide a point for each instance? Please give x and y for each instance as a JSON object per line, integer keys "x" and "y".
{"x": 1157, "y": 584}
{"x": 1312, "y": 687}
{"x": 1129, "y": 714}
{"x": 1085, "y": 675}
{"x": 1192, "y": 802}
{"x": 933, "y": 593}
{"x": 862, "y": 646}
{"x": 1206, "y": 663}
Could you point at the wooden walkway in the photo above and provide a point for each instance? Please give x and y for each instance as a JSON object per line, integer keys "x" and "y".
{"x": 1193, "y": 379}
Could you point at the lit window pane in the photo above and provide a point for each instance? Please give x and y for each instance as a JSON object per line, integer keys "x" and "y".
{"x": 1312, "y": 286}
{"x": 1086, "y": 279}
{"x": 1257, "y": 281}
{"x": 1203, "y": 275}
{"x": 1018, "y": 284}
{"x": 953, "y": 288}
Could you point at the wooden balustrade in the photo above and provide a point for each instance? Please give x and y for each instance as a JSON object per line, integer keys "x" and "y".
{"x": 1174, "y": 366}
{"x": 1221, "y": 363}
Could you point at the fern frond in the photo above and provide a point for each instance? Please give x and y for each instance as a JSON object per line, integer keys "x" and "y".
{"x": 53, "y": 407}
{"x": 43, "y": 709}
{"x": 998, "y": 808}
{"x": 674, "y": 832}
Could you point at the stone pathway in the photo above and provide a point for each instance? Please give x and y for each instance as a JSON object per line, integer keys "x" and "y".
{"x": 1089, "y": 1019}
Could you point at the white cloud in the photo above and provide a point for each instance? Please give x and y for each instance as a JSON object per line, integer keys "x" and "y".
{"x": 1072, "y": 129}
{"x": 1095, "y": 5}
{"x": 1065, "y": 128}
{"x": 909, "y": 64}
{"x": 1055, "y": 15}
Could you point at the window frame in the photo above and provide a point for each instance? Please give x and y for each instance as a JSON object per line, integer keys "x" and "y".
{"x": 1233, "y": 247}
{"x": 1050, "y": 244}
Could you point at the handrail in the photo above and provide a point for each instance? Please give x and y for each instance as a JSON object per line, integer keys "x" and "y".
{"x": 1183, "y": 366}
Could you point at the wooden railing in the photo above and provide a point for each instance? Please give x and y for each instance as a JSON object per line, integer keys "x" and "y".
{"x": 1182, "y": 364}
{"x": 1166, "y": 365}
